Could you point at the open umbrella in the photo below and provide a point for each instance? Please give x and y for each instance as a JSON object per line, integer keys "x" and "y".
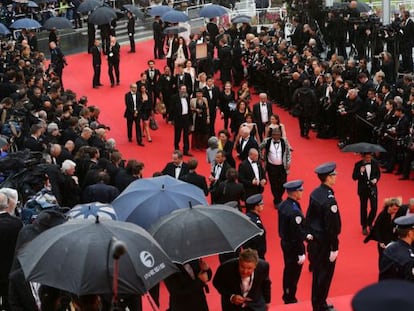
{"x": 213, "y": 10}
{"x": 89, "y": 5}
{"x": 77, "y": 257}
{"x": 199, "y": 231}
{"x": 174, "y": 30}
{"x": 362, "y": 7}
{"x": 175, "y": 16}
{"x": 241, "y": 19}
{"x": 134, "y": 10}
{"x": 58, "y": 23}
{"x": 363, "y": 148}
{"x": 4, "y": 30}
{"x": 26, "y": 23}
{"x": 159, "y": 10}
{"x": 91, "y": 210}
{"x": 32, "y": 4}
{"x": 146, "y": 200}
{"x": 102, "y": 15}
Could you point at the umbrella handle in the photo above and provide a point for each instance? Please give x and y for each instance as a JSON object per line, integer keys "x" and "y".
{"x": 152, "y": 302}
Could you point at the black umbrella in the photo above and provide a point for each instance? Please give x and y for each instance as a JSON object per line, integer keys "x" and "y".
{"x": 58, "y": 23}
{"x": 102, "y": 15}
{"x": 146, "y": 200}
{"x": 159, "y": 10}
{"x": 199, "y": 231}
{"x": 174, "y": 30}
{"x": 78, "y": 257}
{"x": 4, "y": 30}
{"x": 89, "y": 5}
{"x": 134, "y": 10}
{"x": 213, "y": 10}
{"x": 241, "y": 19}
{"x": 361, "y": 7}
{"x": 364, "y": 148}
{"x": 175, "y": 16}
{"x": 26, "y": 23}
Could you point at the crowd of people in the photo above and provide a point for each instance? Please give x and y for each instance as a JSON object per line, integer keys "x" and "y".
{"x": 335, "y": 97}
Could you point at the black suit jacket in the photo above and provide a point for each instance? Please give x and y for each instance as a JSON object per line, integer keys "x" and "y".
{"x": 131, "y": 25}
{"x": 154, "y": 80}
{"x": 364, "y": 184}
{"x": 257, "y": 116}
{"x": 33, "y": 144}
{"x": 196, "y": 180}
{"x": 129, "y": 106}
{"x": 246, "y": 176}
{"x": 96, "y": 56}
{"x": 169, "y": 169}
{"x": 227, "y": 281}
{"x": 20, "y": 293}
{"x": 222, "y": 177}
{"x": 177, "y": 109}
{"x": 212, "y": 101}
{"x": 244, "y": 153}
{"x": 186, "y": 80}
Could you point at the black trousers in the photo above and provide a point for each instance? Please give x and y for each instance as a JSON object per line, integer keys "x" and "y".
{"x": 138, "y": 134}
{"x": 181, "y": 125}
{"x": 277, "y": 177}
{"x": 113, "y": 66}
{"x": 291, "y": 271}
{"x": 96, "y": 75}
{"x": 131, "y": 42}
{"x": 322, "y": 273}
{"x": 368, "y": 218}
{"x": 304, "y": 125}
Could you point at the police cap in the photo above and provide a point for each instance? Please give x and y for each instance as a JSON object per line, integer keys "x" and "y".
{"x": 254, "y": 200}
{"x": 327, "y": 168}
{"x": 404, "y": 222}
{"x": 294, "y": 185}
{"x": 384, "y": 296}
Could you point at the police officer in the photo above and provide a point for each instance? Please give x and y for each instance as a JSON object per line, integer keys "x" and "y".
{"x": 324, "y": 224}
{"x": 254, "y": 206}
{"x": 397, "y": 261}
{"x": 292, "y": 232}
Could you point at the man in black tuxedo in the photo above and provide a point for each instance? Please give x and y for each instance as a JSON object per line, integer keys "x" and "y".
{"x": 407, "y": 41}
{"x": 193, "y": 178}
{"x": 114, "y": 54}
{"x": 177, "y": 168}
{"x": 212, "y": 93}
{"x": 133, "y": 114}
{"x": 245, "y": 143}
{"x": 367, "y": 173}
{"x": 180, "y": 114}
{"x": 9, "y": 229}
{"x": 183, "y": 78}
{"x": 33, "y": 142}
{"x": 251, "y": 174}
{"x": 218, "y": 172}
{"x": 261, "y": 113}
{"x": 158, "y": 36}
{"x": 153, "y": 75}
{"x": 166, "y": 89}
{"x": 96, "y": 62}
{"x": 244, "y": 283}
{"x": 131, "y": 31}
{"x": 225, "y": 56}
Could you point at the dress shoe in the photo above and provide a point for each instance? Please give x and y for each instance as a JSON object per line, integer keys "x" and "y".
{"x": 131, "y": 51}
{"x": 112, "y": 85}
{"x": 100, "y": 84}
{"x": 403, "y": 178}
{"x": 364, "y": 231}
{"x": 140, "y": 144}
{"x": 188, "y": 154}
{"x": 117, "y": 83}
{"x": 95, "y": 87}
{"x": 130, "y": 140}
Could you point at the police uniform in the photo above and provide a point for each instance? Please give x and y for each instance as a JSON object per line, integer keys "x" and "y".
{"x": 258, "y": 242}
{"x": 324, "y": 224}
{"x": 292, "y": 232}
{"x": 397, "y": 261}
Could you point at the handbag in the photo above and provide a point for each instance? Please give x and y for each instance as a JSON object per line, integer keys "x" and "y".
{"x": 153, "y": 124}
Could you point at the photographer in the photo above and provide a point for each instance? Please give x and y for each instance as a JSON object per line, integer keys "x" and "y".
{"x": 407, "y": 42}
{"x": 346, "y": 117}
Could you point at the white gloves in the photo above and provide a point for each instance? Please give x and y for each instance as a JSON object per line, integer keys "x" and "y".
{"x": 333, "y": 255}
{"x": 301, "y": 259}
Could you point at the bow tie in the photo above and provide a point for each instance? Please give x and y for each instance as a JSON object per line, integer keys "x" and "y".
{"x": 277, "y": 142}
{"x": 178, "y": 166}
{"x": 263, "y": 104}
{"x": 254, "y": 162}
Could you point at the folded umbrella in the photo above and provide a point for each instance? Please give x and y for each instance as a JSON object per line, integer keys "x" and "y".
{"x": 78, "y": 257}
{"x": 146, "y": 200}
{"x": 199, "y": 231}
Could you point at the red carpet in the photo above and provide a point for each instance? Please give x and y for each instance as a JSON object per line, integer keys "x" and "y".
{"x": 357, "y": 262}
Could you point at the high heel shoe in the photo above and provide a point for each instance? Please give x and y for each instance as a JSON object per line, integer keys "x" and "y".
{"x": 150, "y": 140}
